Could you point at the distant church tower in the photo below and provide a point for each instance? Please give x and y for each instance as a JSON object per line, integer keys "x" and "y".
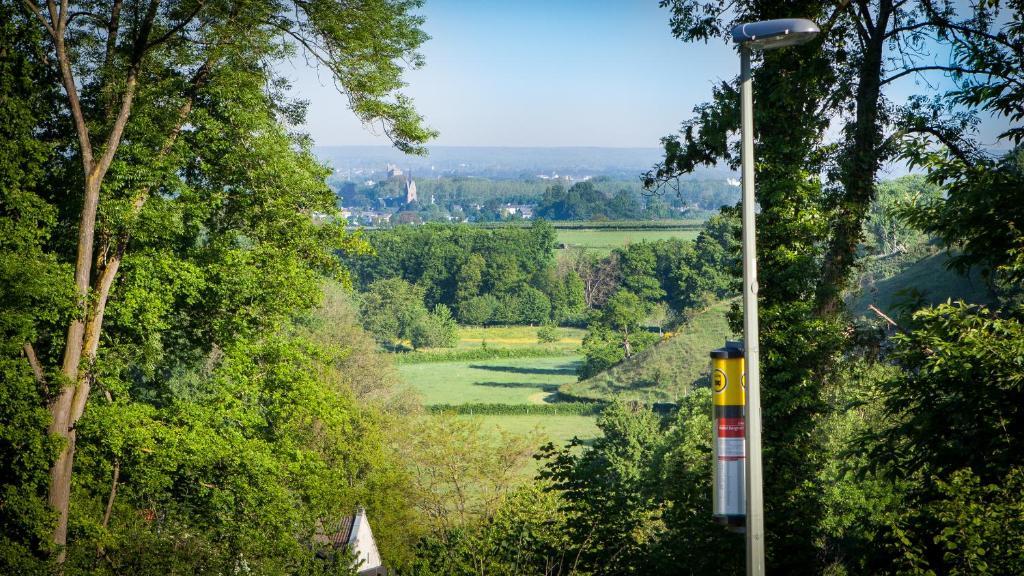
{"x": 410, "y": 189}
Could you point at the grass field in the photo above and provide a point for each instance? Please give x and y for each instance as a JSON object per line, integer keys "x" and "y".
{"x": 517, "y": 337}
{"x": 504, "y": 381}
{"x": 664, "y": 372}
{"x": 605, "y": 240}
{"x": 557, "y": 429}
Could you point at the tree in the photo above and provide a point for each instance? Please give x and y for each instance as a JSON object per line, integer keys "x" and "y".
{"x": 796, "y": 92}
{"x": 391, "y": 309}
{"x": 435, "y": 330}
{"x": 610, "y": 515}
{"x": 615, "y": 333}
{"x": 469, "y": 279}
{"x": 151, "y": 92}
{"x": 599, "y": 276}
{"x": 637, "y": 264}
{"x": 623, "y": 313}
{"x": 534, "y": 307}
{"x": 886, "y": 232}
{"x": 479, "y": 310}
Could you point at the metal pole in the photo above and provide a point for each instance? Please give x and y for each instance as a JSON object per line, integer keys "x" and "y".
{"x": 755, "y": 502}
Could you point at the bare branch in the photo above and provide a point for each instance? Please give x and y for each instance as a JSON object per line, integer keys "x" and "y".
{"x": 908, "y": 28}
{"x": 951, "y": 69}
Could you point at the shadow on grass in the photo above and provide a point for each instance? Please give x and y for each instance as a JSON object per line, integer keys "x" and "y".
{"x": 521, "y": 370}
{"x": 534, "y": 385}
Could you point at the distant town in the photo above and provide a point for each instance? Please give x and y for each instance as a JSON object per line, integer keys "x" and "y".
{"x": 394, "y": 194}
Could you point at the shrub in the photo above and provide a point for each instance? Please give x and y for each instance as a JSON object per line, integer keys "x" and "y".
{"x": 547, "y": 334}
{"x": 436, "y": 330}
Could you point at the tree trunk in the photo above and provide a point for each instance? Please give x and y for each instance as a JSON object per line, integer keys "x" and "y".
{"x": 859, "y": 169}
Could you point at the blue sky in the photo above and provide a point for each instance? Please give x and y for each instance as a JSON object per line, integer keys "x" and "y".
{"x": 550, "y": 73}
{"x": 535, "y": 73}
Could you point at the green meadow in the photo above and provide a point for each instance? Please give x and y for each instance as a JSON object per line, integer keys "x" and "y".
{"x": 500, "y": 381}
{"x": 604, "y": 240}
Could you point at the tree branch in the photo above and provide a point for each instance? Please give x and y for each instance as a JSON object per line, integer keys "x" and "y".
{"x": 37, "y": 367}
{"x": 179, "y": 27}
{"x": 113, "y": 26}
{"x": 952, "y": 69}
{"x": 38, "y": 12}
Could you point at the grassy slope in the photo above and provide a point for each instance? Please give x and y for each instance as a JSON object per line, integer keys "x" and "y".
{"x": 927, "y": 275}
{"x": 664, "y": 372}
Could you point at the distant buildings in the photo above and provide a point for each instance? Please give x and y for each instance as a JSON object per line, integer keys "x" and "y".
{"x": 524, "y": 211}
{"x": 410, "y": 189}
{"x": 393, "y": 171}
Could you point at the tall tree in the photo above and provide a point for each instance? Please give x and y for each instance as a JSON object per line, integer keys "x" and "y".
{"x": 809, "y": 227}
{"x": 161, "y": 98}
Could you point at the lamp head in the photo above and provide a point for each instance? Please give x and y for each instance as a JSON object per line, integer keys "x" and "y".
{"x": 770, "y": 34}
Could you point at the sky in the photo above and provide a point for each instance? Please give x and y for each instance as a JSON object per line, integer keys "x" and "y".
{"x": 602, "y": 73}
{"x": 540, "y": 73}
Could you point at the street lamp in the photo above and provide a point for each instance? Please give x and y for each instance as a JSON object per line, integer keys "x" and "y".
{"x": 765, "y": 35}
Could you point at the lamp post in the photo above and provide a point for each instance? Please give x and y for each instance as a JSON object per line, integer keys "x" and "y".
{"x": 765, "y": 35}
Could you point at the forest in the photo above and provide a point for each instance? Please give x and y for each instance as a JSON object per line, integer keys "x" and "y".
{"x": 199, "y": 375}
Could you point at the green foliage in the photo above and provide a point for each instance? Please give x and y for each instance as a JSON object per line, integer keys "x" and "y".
{"x": 602, "y": 348}
{"x": 527, "y": 305}
{"x": 796, "y": 90}
{"x": 980, "y": 527}
{"x": 239, "y": 461}
{"x": 204, "y": 232}
{"x": 435, "y": 330}
{"x": 980, "y": 215}
{"x": 391, "y": 309}
{"x": 885, "y": 231}
{"x": 525, "y": 536}
{"x": 615, "y": 333}
{"x": 547, "y": 334}
{"x": 478, "y": 310}
{"x": 611, "y": 515}
{"x": 956, "y": 404}
{"x": 681, "y": 479}
{"x": 457, "y": 264}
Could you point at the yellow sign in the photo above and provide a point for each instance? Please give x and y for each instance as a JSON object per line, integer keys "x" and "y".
{"x": 727, "y": 381}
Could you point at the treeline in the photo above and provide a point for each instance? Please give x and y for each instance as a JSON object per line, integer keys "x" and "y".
{"x": 502, "y": 276}
{"x": 587, "y": 201}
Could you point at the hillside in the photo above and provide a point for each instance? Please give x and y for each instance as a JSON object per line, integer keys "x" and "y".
{"x": 665, "y": 371}
{"x": 886, "y": 285}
